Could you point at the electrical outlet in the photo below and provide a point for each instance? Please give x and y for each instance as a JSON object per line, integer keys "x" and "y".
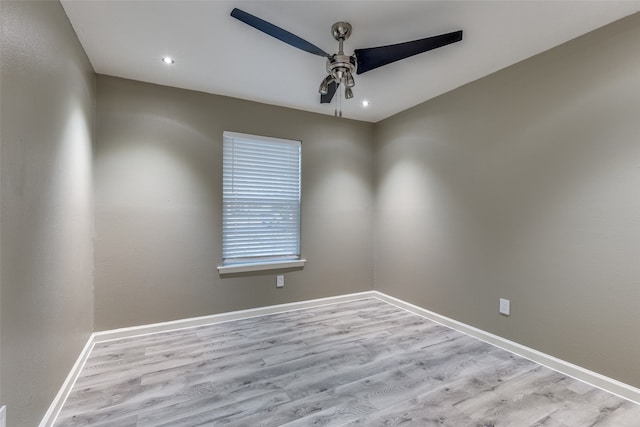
{"x": 505, "y": 306}
{"x": 280, "y": 281}
{"x": 3, "y": 416}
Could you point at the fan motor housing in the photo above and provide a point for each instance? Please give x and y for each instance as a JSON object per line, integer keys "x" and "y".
{"x": 339, "y": 66}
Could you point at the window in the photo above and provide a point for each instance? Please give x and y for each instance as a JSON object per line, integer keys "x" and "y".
{"x": 260, "y": 203}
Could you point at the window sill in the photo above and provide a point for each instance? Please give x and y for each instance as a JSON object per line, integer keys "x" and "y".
{"x": 260, "y": 266}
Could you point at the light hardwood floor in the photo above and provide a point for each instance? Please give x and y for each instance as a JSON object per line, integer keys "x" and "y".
{"x": 363, "y": 362}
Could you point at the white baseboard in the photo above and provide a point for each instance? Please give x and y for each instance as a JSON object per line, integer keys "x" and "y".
{"x": 67, "y": 385}
{"x": 597, "y": 380}
{"x": 224, "y": 317}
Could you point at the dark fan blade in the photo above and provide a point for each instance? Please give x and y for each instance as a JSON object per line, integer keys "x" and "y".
{"x": 326, "y": 99}
{"x": 277, "y": 32}
{"x": 374, "y": 57}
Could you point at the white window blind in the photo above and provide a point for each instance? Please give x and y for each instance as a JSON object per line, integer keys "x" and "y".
{"x": 261, "y": 199}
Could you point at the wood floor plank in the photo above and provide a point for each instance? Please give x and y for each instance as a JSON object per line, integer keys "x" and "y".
{"x": 358, "y": 363}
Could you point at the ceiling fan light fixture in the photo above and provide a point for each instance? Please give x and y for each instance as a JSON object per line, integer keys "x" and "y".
{"x": 168, "y": 60}
{"x": 324, "y": 86}
{"x": 348, "y": 93}
{"x": 349, "y": 81}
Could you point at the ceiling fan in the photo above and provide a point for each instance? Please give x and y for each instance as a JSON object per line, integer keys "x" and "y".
{"x": 340, "y": 66}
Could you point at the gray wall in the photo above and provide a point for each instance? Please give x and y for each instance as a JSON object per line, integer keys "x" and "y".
{"x": 46, "y": 214}
{"x": 158, "y": 161}
{"x": 524, "y": 185}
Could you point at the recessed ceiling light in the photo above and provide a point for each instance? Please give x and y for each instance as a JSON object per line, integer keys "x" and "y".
{"x": 168, "y": 60}
{"x": 365, "y": 103}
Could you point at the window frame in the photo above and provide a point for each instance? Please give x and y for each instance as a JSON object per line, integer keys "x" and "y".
{"x": 238, "y": 265}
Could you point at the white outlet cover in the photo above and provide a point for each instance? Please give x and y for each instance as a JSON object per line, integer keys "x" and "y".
{"x": 280, "y": 281}
{"x": 505, "y": 306}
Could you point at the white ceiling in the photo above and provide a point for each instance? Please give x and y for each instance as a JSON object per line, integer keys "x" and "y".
{"x": 218, "y": 54}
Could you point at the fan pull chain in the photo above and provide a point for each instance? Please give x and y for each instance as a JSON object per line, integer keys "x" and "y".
{"x": 337, "y": 112}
